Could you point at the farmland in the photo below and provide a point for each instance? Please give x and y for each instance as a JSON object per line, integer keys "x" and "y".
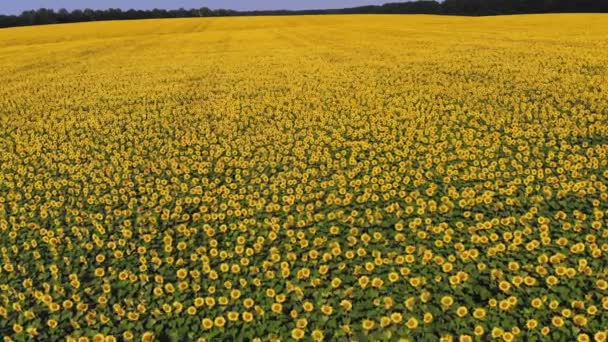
{"x": 313, "y": 177}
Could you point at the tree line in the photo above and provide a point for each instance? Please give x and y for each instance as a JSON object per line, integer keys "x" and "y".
{"x": 448, "y": 7}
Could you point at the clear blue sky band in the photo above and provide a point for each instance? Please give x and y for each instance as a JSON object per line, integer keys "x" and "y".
{"x": 16, "y": 7}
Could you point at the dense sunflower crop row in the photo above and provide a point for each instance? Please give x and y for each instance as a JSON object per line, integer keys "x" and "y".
{"x": 315, "y": 178}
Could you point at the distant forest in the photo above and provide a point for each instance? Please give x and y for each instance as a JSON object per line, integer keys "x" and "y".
{"x": 448, "y": 7}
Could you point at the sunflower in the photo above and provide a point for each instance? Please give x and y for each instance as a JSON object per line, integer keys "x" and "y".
{"x": 297, "y": 334}
{"x": 368, "y": 324}
{"x": 207, "y": 323}
{"x": 412, "y": 323}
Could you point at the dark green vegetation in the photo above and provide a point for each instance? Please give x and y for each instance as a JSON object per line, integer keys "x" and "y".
{"x": 449, "y": 7}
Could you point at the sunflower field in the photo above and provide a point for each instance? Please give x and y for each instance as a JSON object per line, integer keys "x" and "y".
{"x": 337, "y": 178}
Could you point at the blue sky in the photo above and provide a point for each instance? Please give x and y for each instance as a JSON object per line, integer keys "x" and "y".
{"x": 17, "y": 6}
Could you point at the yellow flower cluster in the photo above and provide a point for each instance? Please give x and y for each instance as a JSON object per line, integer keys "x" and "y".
{"x": 316, "y": 178}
